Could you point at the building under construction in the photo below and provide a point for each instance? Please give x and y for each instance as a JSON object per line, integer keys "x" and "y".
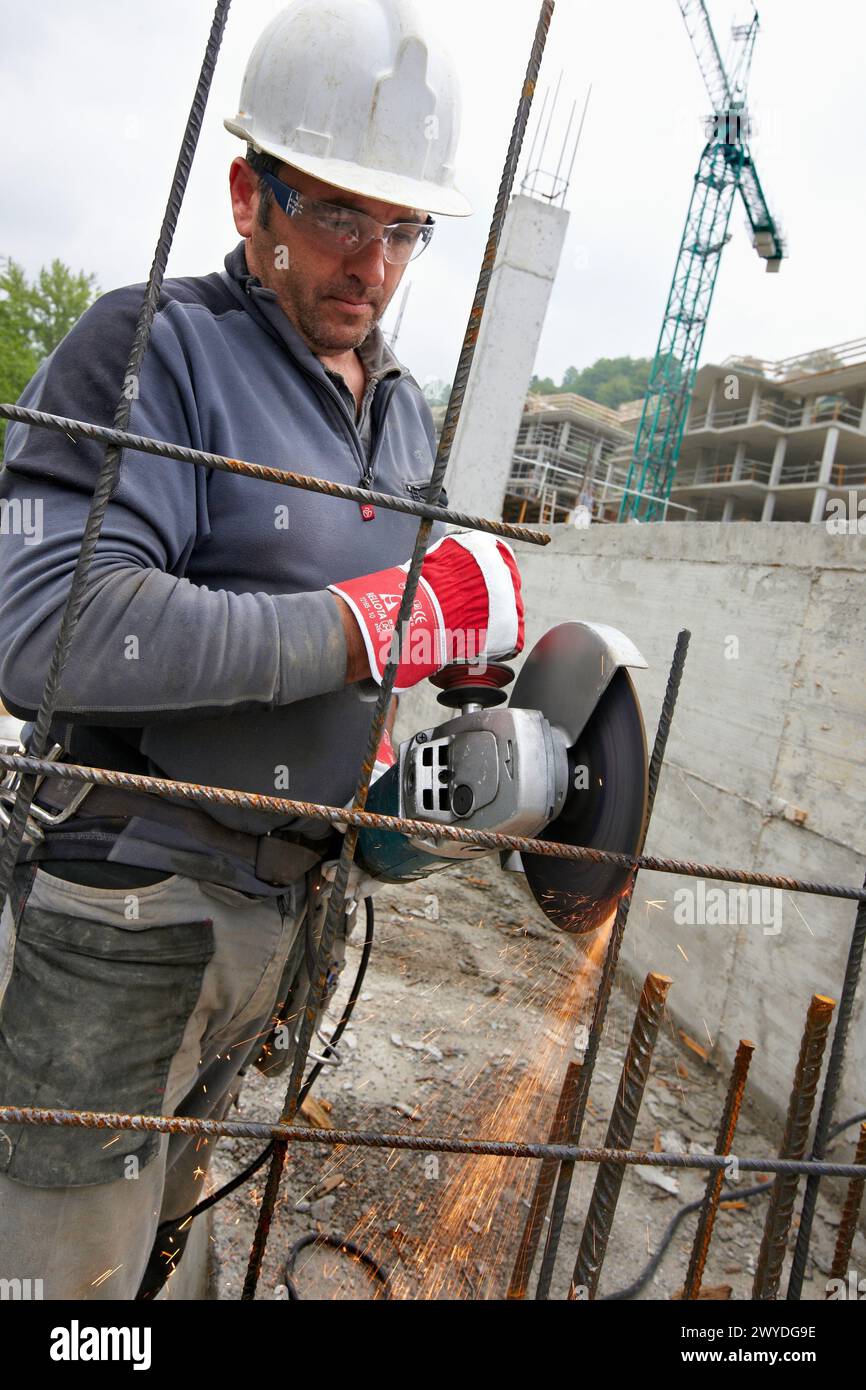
{"x": 775, "y": 441}
{"x": 763, "y": 441}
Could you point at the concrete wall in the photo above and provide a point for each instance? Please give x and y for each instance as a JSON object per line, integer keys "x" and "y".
{"x": 520, "y": 286}
{"x": 770, "y": 730}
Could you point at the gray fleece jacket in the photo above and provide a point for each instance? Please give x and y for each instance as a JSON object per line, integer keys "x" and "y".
{"x": 208, "y": 649}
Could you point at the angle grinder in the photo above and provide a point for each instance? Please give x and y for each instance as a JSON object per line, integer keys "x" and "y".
{"x": 565, "y": 760}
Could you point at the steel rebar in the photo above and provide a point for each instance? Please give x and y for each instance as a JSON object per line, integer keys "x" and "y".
{"x": 144, "y": 444}
{"x": 794, "y": 1141}
{"x": 560, "y": 1129}
{"x": 336, "y": 903}
{"x": 110, "y": 467}
{"x": 285, "y": 808}
{"x": 605, "y": 986}
{"x": 724, "y": 1140}
{"x": 850, "y": 1214}
{"x": 620, "y": 1132}
{"x": 421, "y": 1143}
{"x": 832, "y": 1081}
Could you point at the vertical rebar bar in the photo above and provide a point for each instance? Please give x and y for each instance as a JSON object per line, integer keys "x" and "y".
{"x": 560, "y": 1129}
{"x": 109, "y": 470}
{"x": 724, "y": 1140}
{"x": 566, "y": 1170}
{"x": 835, "y": 1066}
{"x": 794, "y": 1141}
{"x": 620, "y": 1132}
{"x": 336, "y": 904}
{"x": 850, "y": 1214}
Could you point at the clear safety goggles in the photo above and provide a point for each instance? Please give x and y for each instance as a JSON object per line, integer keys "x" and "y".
{"x": 349, "y": 231}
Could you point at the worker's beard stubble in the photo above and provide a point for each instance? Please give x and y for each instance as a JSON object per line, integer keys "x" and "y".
{"x": 309, "y": 307}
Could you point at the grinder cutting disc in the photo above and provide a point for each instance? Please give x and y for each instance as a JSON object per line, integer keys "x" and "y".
{"x": 604, "y": 809}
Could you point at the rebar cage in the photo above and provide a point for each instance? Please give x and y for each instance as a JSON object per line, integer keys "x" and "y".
{"x": 556, "y": 1158}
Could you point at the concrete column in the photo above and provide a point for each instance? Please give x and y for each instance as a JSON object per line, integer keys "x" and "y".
{"x": 739, "y": 455}
{"x": 711, "y": 404}
{"x": 520, "y": 288}
{"x": 595, "y": 458}
{"x": 607, "y": 479}
{"x": 863, "y": 416}
{"x": 775, "y": 475}
{"x": 728, "y": 513}
{"x": 808, "y": 410}
{"x": 819, "y": 504}
{"x": 753, "y": 405}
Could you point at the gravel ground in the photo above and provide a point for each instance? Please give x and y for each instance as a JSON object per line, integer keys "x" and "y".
{"x": 467, "y": 1020}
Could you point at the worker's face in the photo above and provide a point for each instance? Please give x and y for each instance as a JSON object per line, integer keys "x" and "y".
{"x": 333, "y": 299}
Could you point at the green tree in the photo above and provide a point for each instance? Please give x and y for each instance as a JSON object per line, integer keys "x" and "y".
{"x": 571, "y": 380}
{"x": 543, "y": 386}
{"x": 613, "y": 380}
{"x": 18, "y": 357}
{"x": 610, "y": 380}
{"x": 34, "y": 317}
{"x": 58, "y": 298}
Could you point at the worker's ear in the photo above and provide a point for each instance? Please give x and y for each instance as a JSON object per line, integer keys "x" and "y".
{"x": 244, "y": 186}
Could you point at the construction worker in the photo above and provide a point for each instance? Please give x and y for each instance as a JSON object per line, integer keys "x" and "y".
{"x": 231, "y": 633}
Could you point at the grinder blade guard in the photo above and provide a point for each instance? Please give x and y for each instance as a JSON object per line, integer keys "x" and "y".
{"x": 577, "y": 677}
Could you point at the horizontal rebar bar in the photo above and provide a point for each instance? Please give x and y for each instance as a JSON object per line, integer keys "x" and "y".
{"x": 485, "y": 839}
{"x": 420, "y": 1143}
{"x": 144, "y": 444}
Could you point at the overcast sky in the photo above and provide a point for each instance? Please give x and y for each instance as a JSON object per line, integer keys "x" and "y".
{"x": 95, "y": 93}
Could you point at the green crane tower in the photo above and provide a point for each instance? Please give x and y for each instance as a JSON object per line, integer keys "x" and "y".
{"x": 726, "y": 168}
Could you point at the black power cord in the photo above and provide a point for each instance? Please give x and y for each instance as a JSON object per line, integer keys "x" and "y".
{"x": 345, "y": 1247}
{"x": 172, "y": 1227}
{"x": 633, "y": 1289}
{"x": 745, "y": 1194}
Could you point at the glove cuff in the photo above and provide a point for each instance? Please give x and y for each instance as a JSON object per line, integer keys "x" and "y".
{"x": 374, "y": 601}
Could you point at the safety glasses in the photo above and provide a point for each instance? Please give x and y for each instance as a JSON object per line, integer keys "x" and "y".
{"x": 349, "y": 231}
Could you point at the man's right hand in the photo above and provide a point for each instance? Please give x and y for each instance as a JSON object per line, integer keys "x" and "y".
{"x": 468, "y": 607}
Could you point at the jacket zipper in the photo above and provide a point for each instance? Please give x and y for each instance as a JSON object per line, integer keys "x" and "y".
{"x": 390, "y": 388}
{"x": 329, "y": 394}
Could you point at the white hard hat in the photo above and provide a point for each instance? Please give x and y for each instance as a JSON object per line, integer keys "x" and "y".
{"x": 354, "y": 93}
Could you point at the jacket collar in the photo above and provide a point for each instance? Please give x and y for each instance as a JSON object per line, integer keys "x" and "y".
{"x": 376, "y": 357}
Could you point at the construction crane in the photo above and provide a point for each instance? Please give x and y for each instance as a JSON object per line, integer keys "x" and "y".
{"x": 726, "y": 168}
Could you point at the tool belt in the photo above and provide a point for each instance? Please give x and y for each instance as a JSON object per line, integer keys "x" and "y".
{"x": 277, "y": 858}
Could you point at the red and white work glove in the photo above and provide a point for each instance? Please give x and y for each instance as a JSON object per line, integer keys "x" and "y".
{"x": 468, "y": 607}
